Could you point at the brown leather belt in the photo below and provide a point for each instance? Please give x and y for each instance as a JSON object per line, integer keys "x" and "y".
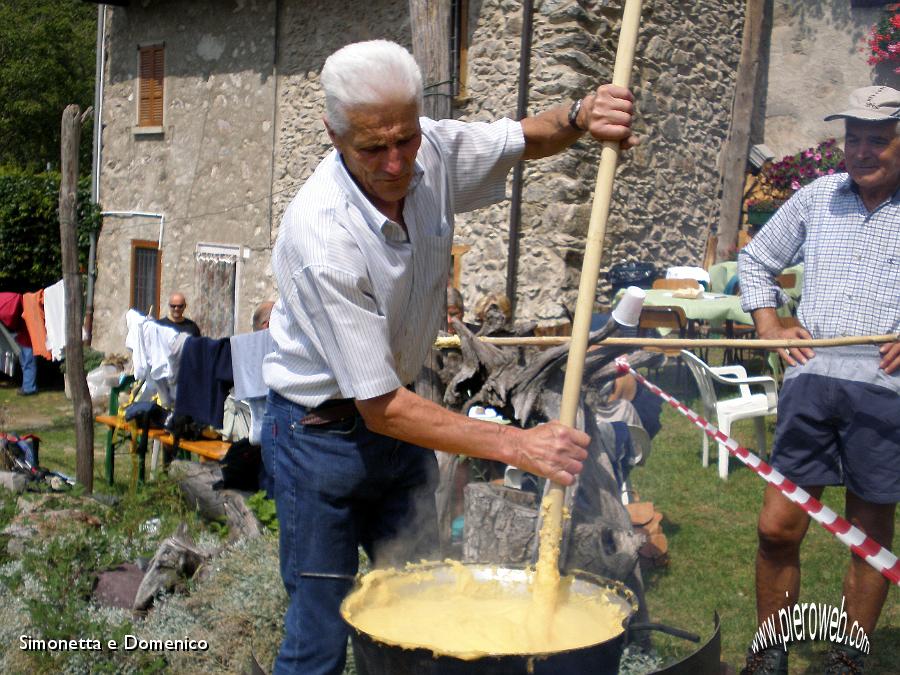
{"x": 335, "y": 410}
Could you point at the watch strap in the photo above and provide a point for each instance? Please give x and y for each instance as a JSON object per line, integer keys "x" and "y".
{"x": 573, "y": 115}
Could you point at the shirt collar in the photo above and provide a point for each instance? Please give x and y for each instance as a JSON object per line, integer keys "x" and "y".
{"x": 373, "y": 217}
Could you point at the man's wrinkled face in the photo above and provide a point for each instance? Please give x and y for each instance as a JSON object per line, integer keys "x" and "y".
{"x": 379, "y": 149}
{"x": 872, "y": 155}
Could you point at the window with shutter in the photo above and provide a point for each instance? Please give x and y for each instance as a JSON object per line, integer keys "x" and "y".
{"x": 150, "y": 86}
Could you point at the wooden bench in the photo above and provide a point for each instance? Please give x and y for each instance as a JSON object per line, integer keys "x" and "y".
{"x": 213, "y": 449}
{"x": 114, "y": 423}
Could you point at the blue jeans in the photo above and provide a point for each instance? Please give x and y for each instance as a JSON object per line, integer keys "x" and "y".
{"x": 339, "y": 486}
{"x": 29, "y": 369}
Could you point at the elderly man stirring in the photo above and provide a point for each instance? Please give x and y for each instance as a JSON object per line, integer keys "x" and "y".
{"x": 361, "y": 263}
{"x": 838, "y": 409}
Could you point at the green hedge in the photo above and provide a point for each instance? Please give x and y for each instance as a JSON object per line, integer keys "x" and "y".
{"x": 30, "y": 254}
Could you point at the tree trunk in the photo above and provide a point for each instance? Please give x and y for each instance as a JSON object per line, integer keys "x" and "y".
{"x": 430, "y": 23}
{"x": 501, "y": 524}
{"x": 736, "y": 149}
{"x": 72, "y": 120}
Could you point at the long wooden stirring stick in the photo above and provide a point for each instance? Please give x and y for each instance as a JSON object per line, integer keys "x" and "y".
{"x": 547, "y": 571}
{"x": 452, "y": 341}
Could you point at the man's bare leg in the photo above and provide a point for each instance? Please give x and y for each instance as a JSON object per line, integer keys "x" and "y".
{"x": 781, "y": 529}
{"x": 864, "y": 587}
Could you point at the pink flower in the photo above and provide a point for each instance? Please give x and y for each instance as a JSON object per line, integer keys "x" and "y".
{"x": 817, "y": 156}
{"x": 830, "y": 171}
{"x": 795, "y": 184}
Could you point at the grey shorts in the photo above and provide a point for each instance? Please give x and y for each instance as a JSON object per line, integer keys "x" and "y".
{"x": 839, "y": 424}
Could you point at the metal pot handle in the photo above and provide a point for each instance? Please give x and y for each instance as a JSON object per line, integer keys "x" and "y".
{"x": 662, "y": 628}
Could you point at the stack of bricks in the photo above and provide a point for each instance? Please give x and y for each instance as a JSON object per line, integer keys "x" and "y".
{"x": 648, "y": 522}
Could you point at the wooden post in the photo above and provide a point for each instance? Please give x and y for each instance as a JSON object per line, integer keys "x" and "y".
{"x": 430, "y": 24}
{"x": 72, "y": 119}
{"x": 737, "y": 147}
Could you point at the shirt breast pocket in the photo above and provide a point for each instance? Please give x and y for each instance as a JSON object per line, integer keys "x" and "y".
{"x": 435, "y": 258}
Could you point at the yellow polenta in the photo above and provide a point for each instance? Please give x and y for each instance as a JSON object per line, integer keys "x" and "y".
{"x": 451, "y": 612}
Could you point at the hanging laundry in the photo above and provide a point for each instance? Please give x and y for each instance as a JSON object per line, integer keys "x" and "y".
{"x": 247, "y": 353}
{"x": 134, "y": 341}
{"x": 33, "y": 314}
{"x": 13, "y": 336}
{"x": 204, "y": 379}
{"x": 55, "y": 319}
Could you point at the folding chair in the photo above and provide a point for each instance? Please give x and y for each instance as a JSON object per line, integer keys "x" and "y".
{"x": 669, "y": 317}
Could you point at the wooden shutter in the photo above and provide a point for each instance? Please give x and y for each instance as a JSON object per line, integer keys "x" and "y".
{"x": 150, "y": 87}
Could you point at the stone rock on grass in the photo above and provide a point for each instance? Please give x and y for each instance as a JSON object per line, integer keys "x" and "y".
{"x": 13, "y": 481}
{"x": 118, "y": 587}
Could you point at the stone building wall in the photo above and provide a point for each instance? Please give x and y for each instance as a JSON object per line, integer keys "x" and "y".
{"x": 817, "y": 56}
{"x": 666, "y": 193}
{"x": 241, "y": 129}
{"x": 208, "y": 172}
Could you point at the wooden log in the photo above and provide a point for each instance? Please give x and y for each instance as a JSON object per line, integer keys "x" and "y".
{"x": 72, "y": 119}
{"x": 200, "y": 487}
{"x": 176, "y": 559}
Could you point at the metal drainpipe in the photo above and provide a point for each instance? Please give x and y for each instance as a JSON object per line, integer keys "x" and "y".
{"x": 515, "y": 211}
{"x": 272, "y": 158}
{"x": 95, "y": 170}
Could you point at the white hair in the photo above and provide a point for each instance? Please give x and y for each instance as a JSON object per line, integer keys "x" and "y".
{"x": 368, "y": 73}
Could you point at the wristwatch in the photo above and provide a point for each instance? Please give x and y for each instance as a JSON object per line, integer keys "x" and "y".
{"x": 573, "y": 115}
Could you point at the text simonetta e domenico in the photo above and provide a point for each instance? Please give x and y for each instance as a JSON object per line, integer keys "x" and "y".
{"x": 129, "y": 643}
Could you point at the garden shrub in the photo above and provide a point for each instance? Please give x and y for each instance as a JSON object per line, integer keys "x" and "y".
{"x": 30, "y": 253}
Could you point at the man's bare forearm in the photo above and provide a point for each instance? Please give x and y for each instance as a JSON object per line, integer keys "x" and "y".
{"x": 404, "y": 415}
{"x": 550, "y": 450}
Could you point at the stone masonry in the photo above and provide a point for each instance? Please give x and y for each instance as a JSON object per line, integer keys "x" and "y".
{"x": 243, "y": 130}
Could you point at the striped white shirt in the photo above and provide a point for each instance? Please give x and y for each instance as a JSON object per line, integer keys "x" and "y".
{"x": 359, "y": 303}
{"x": 851, "y": 275}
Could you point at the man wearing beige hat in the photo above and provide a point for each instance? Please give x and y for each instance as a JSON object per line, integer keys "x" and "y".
{"x": 838, "y": 407}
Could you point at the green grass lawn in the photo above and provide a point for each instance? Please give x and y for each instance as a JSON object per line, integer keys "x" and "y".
{"x": 710, "y": 525}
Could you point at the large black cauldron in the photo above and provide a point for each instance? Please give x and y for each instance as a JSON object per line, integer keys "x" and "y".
{"x": 374, "y": 657}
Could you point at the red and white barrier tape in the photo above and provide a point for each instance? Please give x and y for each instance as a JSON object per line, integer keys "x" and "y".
{"x": 858, "y": 541}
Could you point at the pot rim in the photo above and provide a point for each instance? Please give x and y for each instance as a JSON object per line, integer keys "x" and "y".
{"x": 617, "y": 588}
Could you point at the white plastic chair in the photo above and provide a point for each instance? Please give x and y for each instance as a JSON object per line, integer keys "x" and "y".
{"x": 745, "y": 406}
